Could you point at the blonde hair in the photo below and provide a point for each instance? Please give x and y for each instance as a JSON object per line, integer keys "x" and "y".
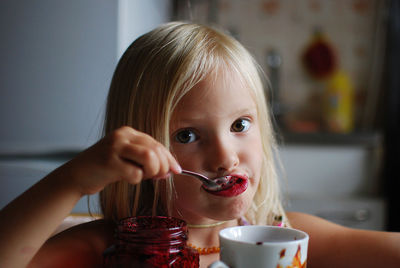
{"x": 154, "y": 73}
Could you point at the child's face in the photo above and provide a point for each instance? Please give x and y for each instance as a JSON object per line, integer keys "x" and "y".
{"x": 215, "y": 131}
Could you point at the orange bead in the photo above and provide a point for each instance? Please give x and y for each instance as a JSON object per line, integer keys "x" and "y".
{"x": 203, "y": 251}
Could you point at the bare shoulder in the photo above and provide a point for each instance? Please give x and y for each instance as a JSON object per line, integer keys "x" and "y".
{"x": 79, "y": 246}
{"x": 333, "y": 245}
{"x": 303, "y": 221}
{"x": 323, "y": 234}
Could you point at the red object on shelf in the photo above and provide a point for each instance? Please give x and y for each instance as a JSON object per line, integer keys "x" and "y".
{"x": 319, "y": 57}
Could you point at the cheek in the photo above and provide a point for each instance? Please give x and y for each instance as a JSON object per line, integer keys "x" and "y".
{"x": 254, "y": 160}
{"x": 189, "y": 160}
{"x": 239, "y": 206}
{"x": 238, "y": 209}
{"x": 186, "y": 187}
{"x": 253, "y": 155}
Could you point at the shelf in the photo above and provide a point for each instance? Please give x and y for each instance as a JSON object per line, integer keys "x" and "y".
{"x": 368, "y": 139}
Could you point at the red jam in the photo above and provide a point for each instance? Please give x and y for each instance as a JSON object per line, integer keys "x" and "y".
{"x": 146, "y": 241}
{"x": 236, "y": 186}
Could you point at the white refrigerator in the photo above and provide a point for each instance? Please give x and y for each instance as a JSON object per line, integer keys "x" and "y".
{"x": 57, "y": 60}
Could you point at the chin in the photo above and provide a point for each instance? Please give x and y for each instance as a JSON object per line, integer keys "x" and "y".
{"x": 236, "y": 209}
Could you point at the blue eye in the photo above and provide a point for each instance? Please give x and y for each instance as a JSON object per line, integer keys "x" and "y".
{"x": 240, "y": 125}
{"x": 185, "y": 136}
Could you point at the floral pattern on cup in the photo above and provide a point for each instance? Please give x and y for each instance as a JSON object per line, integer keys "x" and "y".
{"x": 296, "y": 262}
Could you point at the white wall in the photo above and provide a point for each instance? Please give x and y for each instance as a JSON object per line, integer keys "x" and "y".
{"x": 57, "y": 59}
{"x": 135, "y": 17}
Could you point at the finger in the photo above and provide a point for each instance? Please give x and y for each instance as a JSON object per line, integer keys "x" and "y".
{"x": 164, "y": 177}
{"x": 173, "y": 164}
{"x": 142, "y": 156}
{"x": 132, "y": 173}
{"x": 163, "y": 155}
{"x": 166, "y": 161}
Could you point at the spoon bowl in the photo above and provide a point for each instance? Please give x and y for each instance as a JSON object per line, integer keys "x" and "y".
{"x": 214, "y": 185}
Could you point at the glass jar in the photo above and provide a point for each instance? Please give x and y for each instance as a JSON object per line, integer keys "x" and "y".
{"x": 147, "y": 241}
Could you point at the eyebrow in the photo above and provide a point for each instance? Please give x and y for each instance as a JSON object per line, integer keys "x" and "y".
{"x": 245, "y": 111}
{"x": 234, "y": 114}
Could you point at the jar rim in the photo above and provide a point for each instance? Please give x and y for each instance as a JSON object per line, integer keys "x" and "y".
{"x": 161, "y": 230}
{"x": 150, "y": 223}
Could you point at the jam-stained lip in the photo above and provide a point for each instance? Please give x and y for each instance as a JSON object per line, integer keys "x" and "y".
{"x": 239, "y": 186}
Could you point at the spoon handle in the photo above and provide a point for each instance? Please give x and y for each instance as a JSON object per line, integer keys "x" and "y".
{"x": 204, "y": 179}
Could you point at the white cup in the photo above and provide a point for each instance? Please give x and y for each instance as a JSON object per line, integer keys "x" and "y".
{"x": 262, "y": 246}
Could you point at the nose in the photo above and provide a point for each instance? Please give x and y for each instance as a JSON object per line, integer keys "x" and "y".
{"x": 223, "y": 155}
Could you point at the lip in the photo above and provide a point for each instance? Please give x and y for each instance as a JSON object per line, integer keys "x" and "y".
{"x": 240, "y": 185}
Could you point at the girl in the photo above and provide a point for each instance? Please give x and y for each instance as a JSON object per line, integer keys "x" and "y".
{"x": 183, "y": 95}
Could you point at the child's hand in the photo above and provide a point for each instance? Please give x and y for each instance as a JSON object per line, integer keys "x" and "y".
{"x": 125, "y": 154}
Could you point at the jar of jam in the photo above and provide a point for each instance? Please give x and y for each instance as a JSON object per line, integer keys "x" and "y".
{"x": 147, "y": 241}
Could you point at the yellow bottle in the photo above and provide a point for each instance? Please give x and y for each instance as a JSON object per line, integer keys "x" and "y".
{"x": 339, "y": 99}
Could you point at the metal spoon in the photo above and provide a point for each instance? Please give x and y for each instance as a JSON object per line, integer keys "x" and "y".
{"x": 210, "y": 184}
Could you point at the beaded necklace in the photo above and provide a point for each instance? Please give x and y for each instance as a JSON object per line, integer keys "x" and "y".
{"x": 209, "y": 250}
{"x": 205, "y": 251}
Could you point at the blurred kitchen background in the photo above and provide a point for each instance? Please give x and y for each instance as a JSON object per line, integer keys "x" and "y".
{"x": 333, "y": 87}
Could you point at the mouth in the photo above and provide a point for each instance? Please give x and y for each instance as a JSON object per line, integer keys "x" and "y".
{"x": 236, "y": 185}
